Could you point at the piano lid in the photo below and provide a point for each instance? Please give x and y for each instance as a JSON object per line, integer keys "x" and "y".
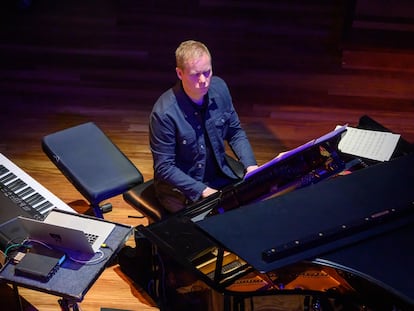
{"x": 320, "y": 218}
{"x": 384, "y": 261}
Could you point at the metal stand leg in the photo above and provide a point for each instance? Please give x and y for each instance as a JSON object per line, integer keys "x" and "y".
{"x": 66, "y": 305}
{"x": 97, "y": 211}
{"x": 17, "y": 297}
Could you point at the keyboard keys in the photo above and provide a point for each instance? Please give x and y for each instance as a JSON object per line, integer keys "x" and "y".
{"x": 25, "y": 188}
{"x": 23, "y": 191}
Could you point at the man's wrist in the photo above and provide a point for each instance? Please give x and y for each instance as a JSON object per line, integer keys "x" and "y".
{"x": 251, "y": 168}
{"x": 207, "y": 192}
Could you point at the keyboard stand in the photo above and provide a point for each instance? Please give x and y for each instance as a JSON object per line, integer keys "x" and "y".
{"x": 64, "y": 303}
{"x": 67, "y": 305}
{"x": 81, "y": 277}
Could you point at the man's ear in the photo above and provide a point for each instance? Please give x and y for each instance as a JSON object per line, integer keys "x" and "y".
{"x": 179, "y": 73}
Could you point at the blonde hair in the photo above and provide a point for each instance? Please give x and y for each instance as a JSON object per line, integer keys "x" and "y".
{"x": 189, "y": 50}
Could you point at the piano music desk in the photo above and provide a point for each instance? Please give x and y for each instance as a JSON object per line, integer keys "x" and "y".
{"x": 72, "y": 280}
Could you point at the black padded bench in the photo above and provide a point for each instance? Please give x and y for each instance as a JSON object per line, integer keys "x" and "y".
{"x": 97, "y": 168}
{"x": 143, "y": 198}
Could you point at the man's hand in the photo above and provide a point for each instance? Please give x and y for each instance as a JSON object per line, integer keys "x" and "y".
{"x": 251, "y": 168}
{"x": 280, "y": 154}
{"x": 208, "y": 191}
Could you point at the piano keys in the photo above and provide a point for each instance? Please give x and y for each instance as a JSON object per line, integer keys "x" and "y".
{"x": 21, "y": 194}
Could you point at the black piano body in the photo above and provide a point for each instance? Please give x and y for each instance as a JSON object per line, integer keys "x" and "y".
{"x": 344, "y": 237}
{"x": 361, "y": 224}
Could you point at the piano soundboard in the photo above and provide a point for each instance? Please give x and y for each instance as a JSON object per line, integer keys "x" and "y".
{"x": 29, "y": 197}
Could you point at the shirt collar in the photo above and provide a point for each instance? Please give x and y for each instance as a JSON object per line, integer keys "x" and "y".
{"x": 180, "y": 88}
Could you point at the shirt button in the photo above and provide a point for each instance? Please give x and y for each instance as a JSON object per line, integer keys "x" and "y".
{"x": 199, "y": 165}
{"x": 196, "y": 113}
{"x": 202, "y": 146}
{"x": 184, "y": 142}
{"x": 198, "y": 127}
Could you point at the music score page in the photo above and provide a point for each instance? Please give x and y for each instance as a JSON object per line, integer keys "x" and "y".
{"x": 369, "y": 144}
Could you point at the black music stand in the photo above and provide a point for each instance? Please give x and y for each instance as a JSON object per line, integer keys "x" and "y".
{"x": 72, "y": 280}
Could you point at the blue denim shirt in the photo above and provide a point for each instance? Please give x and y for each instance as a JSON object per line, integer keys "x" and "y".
{"x": 177, "y": 139}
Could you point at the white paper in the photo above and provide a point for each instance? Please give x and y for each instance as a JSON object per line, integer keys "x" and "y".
{"x": 368, "y": 144}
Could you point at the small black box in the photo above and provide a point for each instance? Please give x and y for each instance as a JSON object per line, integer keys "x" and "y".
{"x": 38, "y": 267}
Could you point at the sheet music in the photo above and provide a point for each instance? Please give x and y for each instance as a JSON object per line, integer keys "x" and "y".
{"x": 369, "y": 144}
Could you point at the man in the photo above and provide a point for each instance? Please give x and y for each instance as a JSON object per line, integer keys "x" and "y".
{"x": 189, "y": 125}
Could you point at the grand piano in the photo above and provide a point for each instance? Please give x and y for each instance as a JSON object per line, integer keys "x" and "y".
{"x": 341, "y": 241}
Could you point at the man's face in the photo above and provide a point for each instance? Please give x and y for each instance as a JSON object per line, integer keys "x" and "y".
{"x": 196, "y": 77}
